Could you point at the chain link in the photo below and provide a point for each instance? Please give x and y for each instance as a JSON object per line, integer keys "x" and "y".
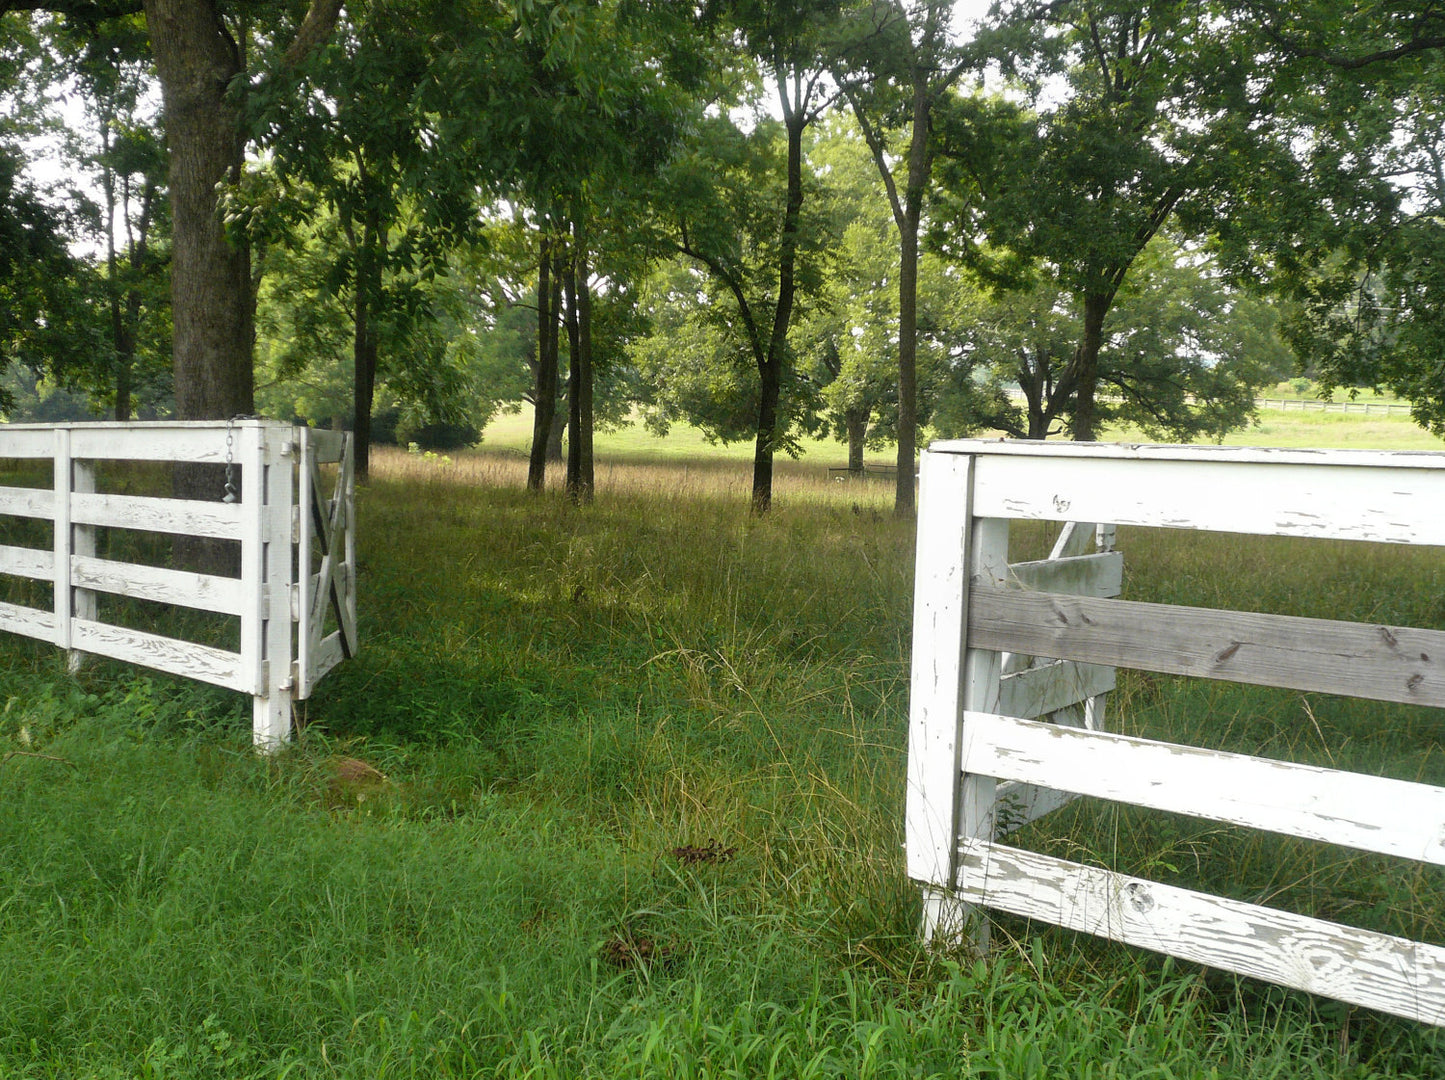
{"x": 230, "y": 495}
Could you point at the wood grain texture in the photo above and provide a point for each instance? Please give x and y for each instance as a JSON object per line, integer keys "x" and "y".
{"x": 1393, "y": 500}
{"x": 1383, "y": 663}
{"x": 27, "y": 502}
{"x": 32, "y": 622}
{"x": 1037, "y": 691}
{"x": 27, "y": 562}
{"x": 216, "y": 666}
{"x": 205, "y": 592}
{"x": 186, "y": 517}
{"x": 940, "y": 595}
{"x": 1368, "y": 813}
{"x": 1081, "y": 575}
{"x": 1361, "y": 967}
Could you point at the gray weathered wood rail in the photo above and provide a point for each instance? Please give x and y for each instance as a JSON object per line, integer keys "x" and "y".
{"x": 988, "y": 752}
{"x": 297, "y": 544}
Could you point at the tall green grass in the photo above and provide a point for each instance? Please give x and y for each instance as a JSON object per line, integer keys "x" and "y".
{"x": 633, "y": 807}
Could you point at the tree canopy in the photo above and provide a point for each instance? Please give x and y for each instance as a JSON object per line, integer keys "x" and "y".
{"x": 762, "y": 218}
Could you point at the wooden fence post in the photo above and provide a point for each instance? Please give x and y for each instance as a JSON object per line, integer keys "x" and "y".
{"x": 268, "y": 450}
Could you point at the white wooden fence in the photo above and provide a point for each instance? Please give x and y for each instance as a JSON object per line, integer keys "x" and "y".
{"x": 980, "y": 762}
{"x": 297, "y": 552}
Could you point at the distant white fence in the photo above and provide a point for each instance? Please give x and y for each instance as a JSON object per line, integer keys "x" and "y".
{"x": 295, "y": 597}
{"x": 980, "y": 764}
{"x": 1382, "y": 408}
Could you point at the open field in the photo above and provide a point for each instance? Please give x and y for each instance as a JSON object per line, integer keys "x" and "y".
{"x": 512, "y": 433}
{"x": 618, "y": 793}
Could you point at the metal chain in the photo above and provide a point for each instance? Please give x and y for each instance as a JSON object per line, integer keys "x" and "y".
{"x": 230, "y": 495}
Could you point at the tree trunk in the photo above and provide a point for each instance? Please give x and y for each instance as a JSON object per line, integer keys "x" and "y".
{"x": 1086, "y": 366}
{"x": 587, "y": 469}
{"x": 364, "y": 343}
{"x": 544, "y": 396}
{"x": 919, "y": 168}
{"x": 770, "y": 366}
{"x": 857, "y": 422}
{"x": 580, "y": 480}
{"x": 196, "y": 62}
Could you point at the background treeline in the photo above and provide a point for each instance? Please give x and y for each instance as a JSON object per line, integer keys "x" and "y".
{"x": 865, "y": 217}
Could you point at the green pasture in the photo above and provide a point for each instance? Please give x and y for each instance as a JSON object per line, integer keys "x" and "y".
{"x": 618, "y": 793}
{"x": 512, "y": 433}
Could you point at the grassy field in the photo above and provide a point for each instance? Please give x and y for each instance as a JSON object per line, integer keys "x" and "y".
{"x": 618, "y": 793}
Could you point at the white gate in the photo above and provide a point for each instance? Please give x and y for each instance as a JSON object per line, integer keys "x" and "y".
{"x": 978, "y": 763}
{"x": 280, "y": 584}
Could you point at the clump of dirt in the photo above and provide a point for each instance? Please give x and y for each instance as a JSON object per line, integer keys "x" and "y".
{"x": 351, "y": 781}
{"x": 711, "y": 852}
{"x": 633, "y": 950}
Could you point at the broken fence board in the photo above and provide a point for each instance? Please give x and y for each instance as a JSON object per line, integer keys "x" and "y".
{"x": 1360, "y": 967}
{"x": 1037, "y": 691}
{"x": 1384, "y": 663}
{"x": 1368, "y": 813}
{"x": 1081, "y": 575}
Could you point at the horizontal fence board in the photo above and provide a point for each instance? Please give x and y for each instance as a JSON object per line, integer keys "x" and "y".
{"x": 1081, "y": 575}
{"x": 27, "y": 562}
{"x": 26, "y": 442}
{"x": 1368, "y": 813}
{"x": 188, "y": 517}
{"x": 1383, "y": 663}
{"x": 31, "y": 622}
{"x": 1360, "y": 967}
{"x": 1036, "y": 691}
{"x": 217, "y": 666}
{"x": 27, "y": 502}
{"x": 1389, "y": 504}
{"x": 205, "y": 592}
{"x": 205, "y": 442}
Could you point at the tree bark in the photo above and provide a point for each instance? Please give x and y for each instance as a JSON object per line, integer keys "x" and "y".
{"x": 857, "y": 421}
{"x": 1085, "y": 367}
{"x": 544, "y": 396}
{"x": 770, "y": 365}
{"x": 581, "y": 487}
{"x": 365, "y": 347}
{"x": 196, "y": 62}
{"x": 920, "y": 166}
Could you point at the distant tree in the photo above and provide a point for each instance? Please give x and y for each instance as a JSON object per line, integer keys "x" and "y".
{"x": 898, "y": 64}
{"x": 1163, "y": 117}
{"x": 1183, "y": 355}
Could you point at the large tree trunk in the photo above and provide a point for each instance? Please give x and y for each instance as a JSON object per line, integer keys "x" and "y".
{"x": 196, "y": 62}
{"x": 544, "y": 393}
{"x": 1086, "y": 366}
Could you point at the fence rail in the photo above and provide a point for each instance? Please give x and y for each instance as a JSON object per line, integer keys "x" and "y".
{"x": 975, "y": 747}
{"x": 1383, "y": 408}
{"x": 282, "y": 584}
